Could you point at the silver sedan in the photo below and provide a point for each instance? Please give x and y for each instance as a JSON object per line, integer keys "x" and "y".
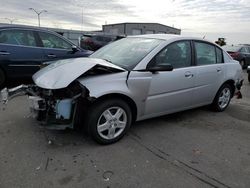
{"x": 135, "y": 78}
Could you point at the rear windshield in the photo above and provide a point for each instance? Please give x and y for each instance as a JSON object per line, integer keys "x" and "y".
{"x": 231, "y": 48}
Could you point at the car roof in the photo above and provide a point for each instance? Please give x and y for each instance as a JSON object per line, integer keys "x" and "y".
{"x": 34, "y": 28}
{"x": 168, "y": 37}
{"x": 98, "y": 35}
{"x": 24, "y": 27}
{"x": 234, "y": 48}
{"x": 106, "y": 35}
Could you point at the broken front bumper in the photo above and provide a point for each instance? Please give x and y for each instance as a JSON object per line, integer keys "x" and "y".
{"x": 59, "y": 115}
{"x": 8, "y": 94}
{"x": 50, "y": 112}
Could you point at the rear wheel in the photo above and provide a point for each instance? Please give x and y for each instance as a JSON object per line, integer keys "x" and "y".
{"x": 222, "y": 98}
{"x": 2, "y": 78}
{"x": 109, "y": 120}
{"x": 249, "y": 77}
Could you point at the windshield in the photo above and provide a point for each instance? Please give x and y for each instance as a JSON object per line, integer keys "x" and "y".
{"x": 127, "y": 52}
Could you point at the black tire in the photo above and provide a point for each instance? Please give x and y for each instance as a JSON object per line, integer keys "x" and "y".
{"x": 2, "y": 78}
{"x": 249, "y": 77}
{"x": 217, "y": 105}
{"x": 96, "y": 115}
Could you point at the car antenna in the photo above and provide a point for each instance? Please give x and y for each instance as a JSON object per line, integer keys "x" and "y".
{"x": 204, "y": 37}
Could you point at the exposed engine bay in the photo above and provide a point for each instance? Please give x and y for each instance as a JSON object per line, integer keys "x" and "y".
{"x": 57, "y": 108}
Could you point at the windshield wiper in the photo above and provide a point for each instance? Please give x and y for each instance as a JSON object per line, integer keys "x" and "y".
{"x": 115, "y": 64}
{"x": 108, "y": 61}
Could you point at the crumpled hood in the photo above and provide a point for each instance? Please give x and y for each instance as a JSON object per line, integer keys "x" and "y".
{"x": 61, "y": 73}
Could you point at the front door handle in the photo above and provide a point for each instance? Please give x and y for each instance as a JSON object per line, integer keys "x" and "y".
{"x": 51, "y": 56}
{"x": 188, "y": 74}
{"x": 4, "y": 53}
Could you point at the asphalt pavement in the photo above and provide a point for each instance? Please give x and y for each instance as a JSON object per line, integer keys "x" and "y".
{"x": 195, "y": 148}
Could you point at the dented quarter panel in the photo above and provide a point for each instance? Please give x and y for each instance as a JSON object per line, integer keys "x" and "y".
{"x": 233, "y": 71}
{"x": 61, "y": 73}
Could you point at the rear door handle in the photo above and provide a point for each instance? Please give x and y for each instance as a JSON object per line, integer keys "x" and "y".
{"x": 188, "y": 74}
{"x": 51, "y": 56}
{"x": 4, "y": 53}
{"x": 218, "y": 69}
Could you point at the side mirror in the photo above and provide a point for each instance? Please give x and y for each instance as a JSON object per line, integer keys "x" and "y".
{"x": 74, "y": 49}
{"x": 157, "y": 68}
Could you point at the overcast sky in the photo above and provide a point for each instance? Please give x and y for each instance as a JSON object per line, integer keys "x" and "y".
{"x": 209, "y": 18}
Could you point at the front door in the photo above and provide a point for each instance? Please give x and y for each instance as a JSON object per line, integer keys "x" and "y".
{"x": 55, "y": 48}
{"x": 171, "y": 91}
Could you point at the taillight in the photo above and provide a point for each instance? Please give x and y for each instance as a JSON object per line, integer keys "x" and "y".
{"x": 234, "y": 54}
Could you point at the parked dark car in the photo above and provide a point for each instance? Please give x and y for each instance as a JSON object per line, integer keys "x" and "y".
{"x": 95, "y": 41}
{"x": 240, "y": 53}
{"x": 248, "y": 72}
{"x": 23, "y": 50}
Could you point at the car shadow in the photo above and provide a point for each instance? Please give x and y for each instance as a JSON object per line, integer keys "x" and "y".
{"x": 69, "y": 137}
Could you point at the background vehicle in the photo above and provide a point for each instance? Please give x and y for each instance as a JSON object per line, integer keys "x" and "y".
{"x": 23, "y": 49}
{"x": 95, "y": 41}
{"x": 240, "y": 53}
{"x": 135, "y": 78}
{"x": 248, "y": 72}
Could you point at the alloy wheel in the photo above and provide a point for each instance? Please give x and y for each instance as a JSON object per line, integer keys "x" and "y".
{"x": 224, "y": 98}
{"x": 112, "y": 123}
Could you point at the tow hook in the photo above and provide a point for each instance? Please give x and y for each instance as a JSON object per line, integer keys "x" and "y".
{"x": 238, "y": 95}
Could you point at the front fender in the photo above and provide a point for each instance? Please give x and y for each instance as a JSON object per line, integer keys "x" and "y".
{"x": 134, "y": 85}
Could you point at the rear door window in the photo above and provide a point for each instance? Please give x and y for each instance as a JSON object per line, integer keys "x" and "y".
{"x": 219, "y": 56}
{"x": 243, "y": 50}
{"x": 248, "y": 49}
{"x": 205, "y": 53}
{"x": 17, "y": 37}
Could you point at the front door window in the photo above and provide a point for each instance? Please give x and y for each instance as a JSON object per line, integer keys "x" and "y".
{"x": 177, "y": 54}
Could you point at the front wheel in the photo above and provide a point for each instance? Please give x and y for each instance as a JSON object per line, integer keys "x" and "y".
{"x": 222, "y": 98}
{"x": 109, "y": 120}
{"x": 249, "y": 77}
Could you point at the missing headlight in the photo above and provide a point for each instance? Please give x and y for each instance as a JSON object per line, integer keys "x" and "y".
{"x": 63, "y": 108}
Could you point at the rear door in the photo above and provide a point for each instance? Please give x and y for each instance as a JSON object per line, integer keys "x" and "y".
{"x": 210, "y": 72}
{"x": 19, "y": 54}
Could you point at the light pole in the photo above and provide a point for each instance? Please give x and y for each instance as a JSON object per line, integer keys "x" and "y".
{"x": 11, "y": 20}
{"x": 38, "y": 14}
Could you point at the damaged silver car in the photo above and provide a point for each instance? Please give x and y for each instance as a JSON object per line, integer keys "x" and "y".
{"x": 135, "y": 78}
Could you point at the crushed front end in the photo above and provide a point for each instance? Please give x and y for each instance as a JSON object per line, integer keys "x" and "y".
{"x": 54, "y": 109}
